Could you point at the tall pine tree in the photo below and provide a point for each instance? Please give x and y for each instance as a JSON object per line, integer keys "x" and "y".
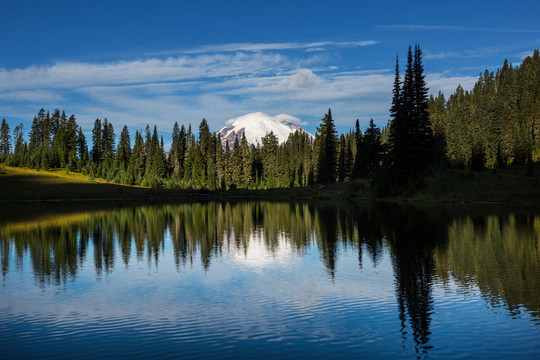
{"x": 326, "y": 144}
{"x": 411, "y": 138}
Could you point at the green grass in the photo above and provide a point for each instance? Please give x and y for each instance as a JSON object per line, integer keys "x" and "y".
{"x": 24, "y": 184}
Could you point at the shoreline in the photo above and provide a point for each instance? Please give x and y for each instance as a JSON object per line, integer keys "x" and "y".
{"x": 21, "y": 185}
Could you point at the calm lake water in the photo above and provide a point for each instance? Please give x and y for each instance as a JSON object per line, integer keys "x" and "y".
{"x": 269, "y": 280}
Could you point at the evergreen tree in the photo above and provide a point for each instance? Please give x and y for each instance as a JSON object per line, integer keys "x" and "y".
{"x": 137, "y": 160}
{"x": 221, "y": 164}
{"x": 36, "y": 136}
{"x": 422, "y": 142}
{"x": 123, "y": 153}
{"x": 227, "y": 163}
{"x": 326, "y": 144}
{"x": 373, "y": 148}
{"x": 72, "y": 129}
{"x": 437, "y": 111}
{"x": 5, "y": 139}
{"x": 159, "y": 156}
{"x": 46, "y": 143}
{"x": 82, "y": 147}
{"x": 494, "y": 124}
{"x": 18, "y": 158}
{"x": 205, "y": 139}
{"x": 342, "y": 159}
{"x": 207, "y": 148}
{"x": 175, "y": 152}
{"x": 359, "y": 165}
{"x": 156, "y": 165}
{"x": 97, "y": 147}
{"x": 107, "y": 142}
{"x": 246, "y": 161}
{"x": 60, "y": 153}
{"x": 411, "y": 137}
{"x": 270, "y": 160}
{"x": 236, "y": 164}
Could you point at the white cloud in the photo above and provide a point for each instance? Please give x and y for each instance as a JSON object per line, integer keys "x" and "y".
{"x": 304, "y": 78}
{"x": 476, "y": 53}
{"x": 315, "y": 49}
{"x": 525, "y": 54}
{"x": 38, "y": 96}
{"x": 258, "y": 47}
{"x": 74, "y": 74}
{"x": 448, "y": 85}
{"x": 216, "y": 86}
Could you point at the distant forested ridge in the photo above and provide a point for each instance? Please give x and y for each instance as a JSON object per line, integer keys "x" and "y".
{"x": 494, "y": 125}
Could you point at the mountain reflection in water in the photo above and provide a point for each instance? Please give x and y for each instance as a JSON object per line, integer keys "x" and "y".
{"x": 485, "y": 248}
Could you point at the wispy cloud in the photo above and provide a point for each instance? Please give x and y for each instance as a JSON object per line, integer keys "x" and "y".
{"x": 453, "y": 28}
{"x": 258, "y": 47}
{"x": 35, "y": 96}
{"x": 475, "y": 53}
{"x": 217, "y": 86}
{"x": 524, "y": 54}
{"x": 448, "y": 84}
{"x": 77, "y": 74}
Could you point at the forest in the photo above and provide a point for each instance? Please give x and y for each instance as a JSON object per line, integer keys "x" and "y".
{"x": 492, "y": 126}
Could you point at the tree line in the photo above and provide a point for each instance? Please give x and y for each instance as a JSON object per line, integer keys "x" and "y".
{"x": 194, "y": 160}
{"x": 493, "y": 125}
{"x": 496, "y": 123}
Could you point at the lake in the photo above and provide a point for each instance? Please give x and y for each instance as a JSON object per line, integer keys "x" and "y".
{"x": 267, "y": 279}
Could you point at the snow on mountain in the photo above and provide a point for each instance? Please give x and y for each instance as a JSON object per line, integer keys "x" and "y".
{"x": 257, "y": 125}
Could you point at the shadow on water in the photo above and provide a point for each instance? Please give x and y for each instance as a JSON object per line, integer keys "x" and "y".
{"x": 490, "y": 248}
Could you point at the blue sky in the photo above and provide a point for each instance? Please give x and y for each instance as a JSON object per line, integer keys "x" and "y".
{"x": 157, "y": 62}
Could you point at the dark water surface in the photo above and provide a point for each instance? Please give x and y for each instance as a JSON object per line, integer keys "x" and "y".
{"x": 269, "y": 280}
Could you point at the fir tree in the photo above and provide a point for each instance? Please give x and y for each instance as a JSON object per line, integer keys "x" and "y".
{"x": 82, "y": 147}
{"x": 97, "y": 142}
{"x": 35, "y": 140}
{"x": 373, "y": 148}
{"x": 246, "y": 161}
{"x": 221, "y": 164}
{"x": 5, "y": 139}
{"x": 18, "y": 158}
{"x": 270, "y": 160}
{"x": 227, "y": 163}
{"x": 123, "y": 153}
{"x": 174, "y": 152}
{"x": 359, "y": 166}
{"x": 342, "y": 160}
{"x": 236, "y": 164}
{"x": 107, "y": 142}
{"x": 410, "y": 130}
{"x": 137, "y": 160}
{"x": 326, "y": 150}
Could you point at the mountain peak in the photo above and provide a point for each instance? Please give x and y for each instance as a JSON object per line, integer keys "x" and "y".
{"x": 256, "y": 125}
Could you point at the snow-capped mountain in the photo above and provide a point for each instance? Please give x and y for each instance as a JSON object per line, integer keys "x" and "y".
{"x": 257, "y": 125}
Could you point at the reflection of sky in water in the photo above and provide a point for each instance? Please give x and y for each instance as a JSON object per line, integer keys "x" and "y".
{"x": 290, "y": 300}
{"x": 257, "y": 255}
{"x": 268, "y": 300}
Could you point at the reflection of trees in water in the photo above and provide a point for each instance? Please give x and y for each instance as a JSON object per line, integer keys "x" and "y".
{"x": 499, "y": 254}
{"x": 413, "y": 234}
{"x": 58, "y": 248}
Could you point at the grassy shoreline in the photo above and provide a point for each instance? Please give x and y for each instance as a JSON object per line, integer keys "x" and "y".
{"x": 452, "y": 186}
